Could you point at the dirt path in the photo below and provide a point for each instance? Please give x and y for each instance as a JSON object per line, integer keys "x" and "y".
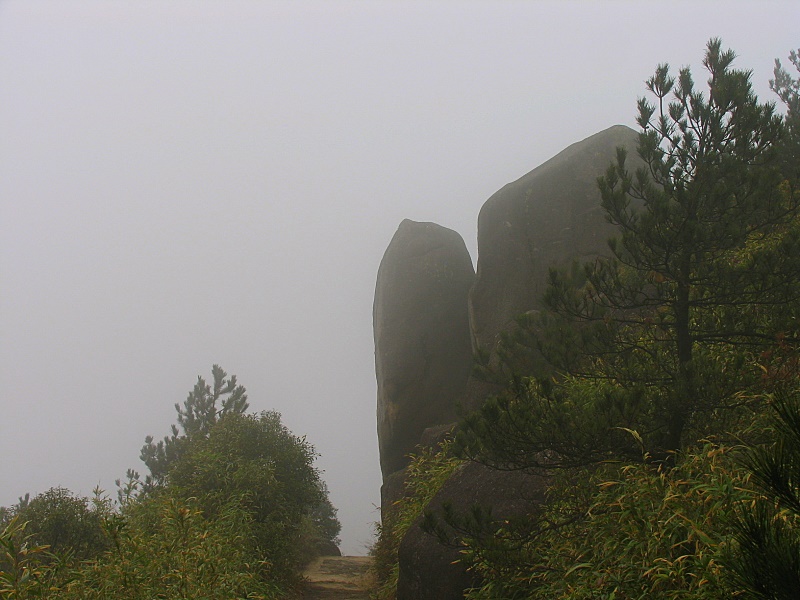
{"x": 337, "y": 578}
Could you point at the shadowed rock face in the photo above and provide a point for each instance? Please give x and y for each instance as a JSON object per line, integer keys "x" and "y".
{"x": 430, "y": 571}
{"x": 547, "y": 218}
{"x": 423, "y": 350}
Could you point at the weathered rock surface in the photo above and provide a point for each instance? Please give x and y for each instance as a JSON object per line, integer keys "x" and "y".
{"x": 431, "y": 571}
{"x": 423, "y": 353}
{"x": 546, "y": 218}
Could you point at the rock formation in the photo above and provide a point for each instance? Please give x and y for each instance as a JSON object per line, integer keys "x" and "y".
{"x": 546, "y": 218}
{"x": 423, "y": 351}
{"x": 431, "y": 571}
{"x": 427, "y": 325}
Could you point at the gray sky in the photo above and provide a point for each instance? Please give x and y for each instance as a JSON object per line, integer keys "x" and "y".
{"x": 192, "y": 182}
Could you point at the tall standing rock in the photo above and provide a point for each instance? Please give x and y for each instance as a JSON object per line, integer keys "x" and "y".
{"x": 423, "y": 352}
{"x": 547, "y": 218}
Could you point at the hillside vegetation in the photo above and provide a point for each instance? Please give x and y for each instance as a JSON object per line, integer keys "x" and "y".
{"x": 232, "y": 507}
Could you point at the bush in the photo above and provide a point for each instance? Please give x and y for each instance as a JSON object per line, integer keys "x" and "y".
{"x": 425, "y": 476}
{"x": 256, "y": 461}
{"x": 632, "y": 531}
{"x": 24, "y": 569}
{"x": 67, "y": 524}
{"x": 165, "y": 548}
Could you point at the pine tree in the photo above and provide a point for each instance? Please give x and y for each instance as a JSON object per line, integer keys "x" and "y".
{"x": 649, "y": 343}
{"x": 788, "y": 90}
{"x": 766, "y": 560}
{"x": 201, "y": 410}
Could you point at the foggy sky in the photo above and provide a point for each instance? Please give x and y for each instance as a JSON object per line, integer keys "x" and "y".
{"x": 184, "y": 183}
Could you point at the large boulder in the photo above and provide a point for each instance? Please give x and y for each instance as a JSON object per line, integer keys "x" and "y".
{"x": 547, "y": 218}
{"x": 423, "y": 352}
{"x": 429, "y": 570}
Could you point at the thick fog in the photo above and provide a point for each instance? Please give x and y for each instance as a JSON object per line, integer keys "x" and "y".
{"x": 184, "y": 183}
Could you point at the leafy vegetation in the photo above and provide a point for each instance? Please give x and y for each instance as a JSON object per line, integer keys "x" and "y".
{"x": 64, "y": 523}
{"x": 767, "y": 563}
{"x": 232, "y": 508}
{"x": 622, "y": 531}
{"x": 164, "y": 548}
{"x": 425, "y": 475}
{"x": 256, "y": 461}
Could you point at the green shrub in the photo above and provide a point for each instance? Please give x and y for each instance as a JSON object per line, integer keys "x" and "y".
{"x": 25, "y": 571}
{"x": 165, "y": 548}
{"x": 258, "y": 461}
{"x": 425, "y": 476}
{"x": 623, "y": 532}
{"x": 67, "y": 524}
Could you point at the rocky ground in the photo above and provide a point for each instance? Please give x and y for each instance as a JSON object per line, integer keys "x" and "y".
{"x": 337, "y": 578}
